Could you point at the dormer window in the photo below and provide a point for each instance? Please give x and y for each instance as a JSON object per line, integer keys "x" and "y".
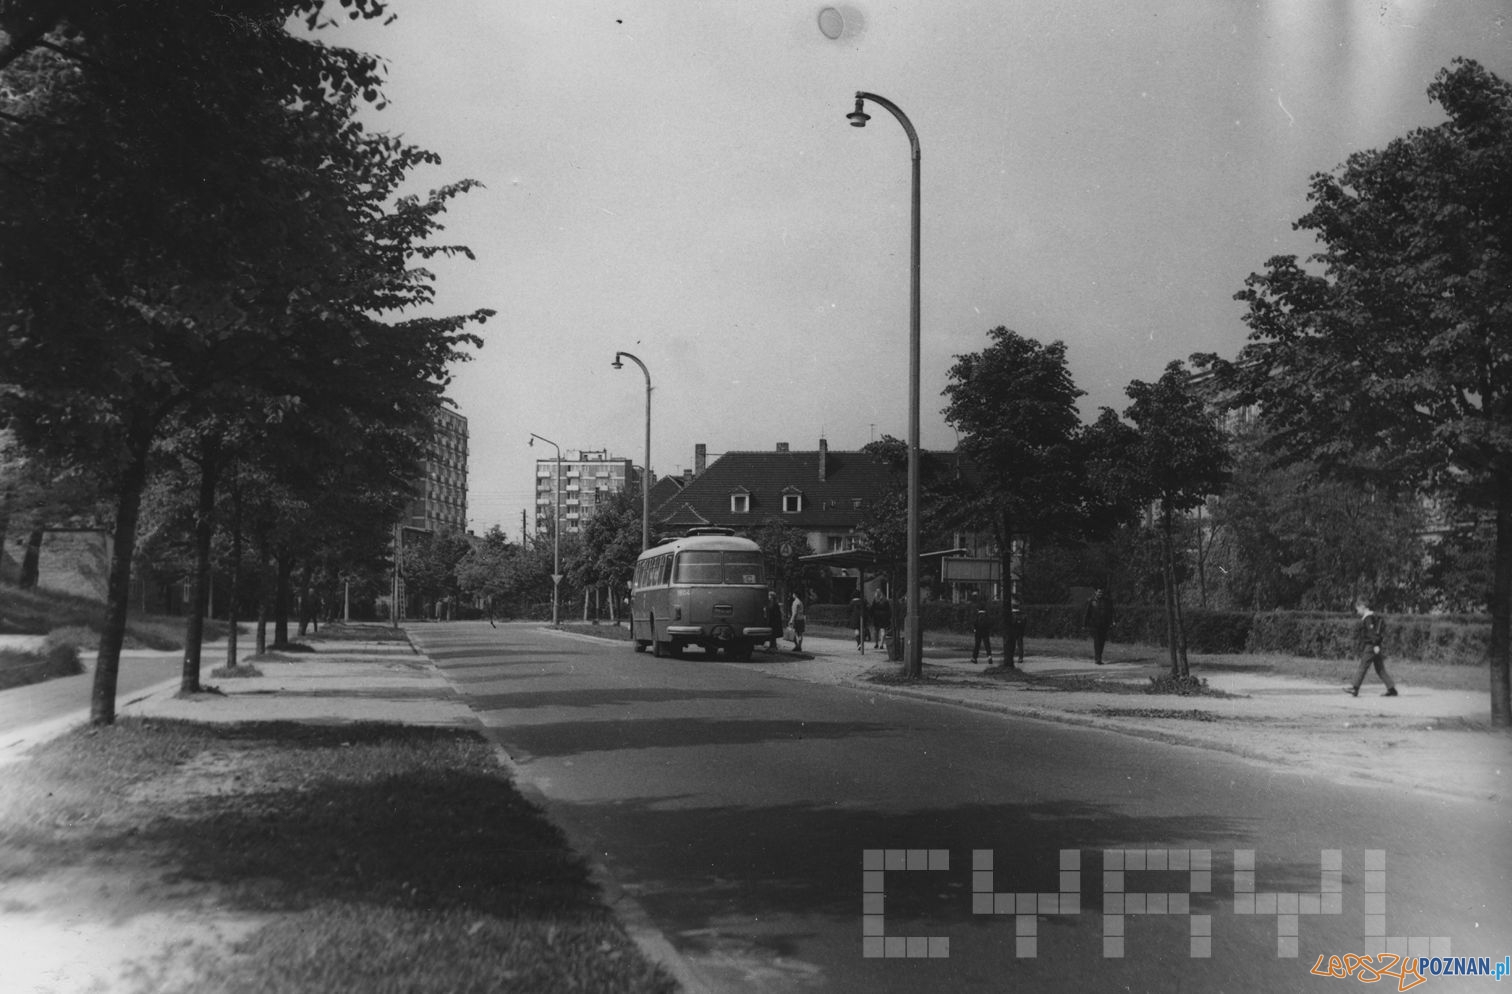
{"x": 792, "y": 500}
{"x": 740, "y": 501}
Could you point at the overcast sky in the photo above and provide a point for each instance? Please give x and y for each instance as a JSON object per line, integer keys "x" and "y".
{"x": 676, "y": 179}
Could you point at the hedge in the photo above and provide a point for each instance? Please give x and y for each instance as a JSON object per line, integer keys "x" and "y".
{"x": 1460, "y": 640}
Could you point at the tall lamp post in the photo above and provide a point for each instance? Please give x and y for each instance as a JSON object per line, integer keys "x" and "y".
{"x": 913, "y": 664}
{"x": 646, "y": 476}
{"x": 556, "y": 531}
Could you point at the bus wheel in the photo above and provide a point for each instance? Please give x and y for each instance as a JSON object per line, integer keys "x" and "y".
{"x": 640, "y": 645}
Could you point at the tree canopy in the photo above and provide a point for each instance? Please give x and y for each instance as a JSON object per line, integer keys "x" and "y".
{"x": 1388, "y": 353}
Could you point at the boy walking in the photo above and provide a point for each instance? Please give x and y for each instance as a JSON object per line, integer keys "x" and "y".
{"x": 1371, "y": 634}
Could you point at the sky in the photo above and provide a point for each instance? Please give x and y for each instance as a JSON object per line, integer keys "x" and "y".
{"x": 677, "y": 179}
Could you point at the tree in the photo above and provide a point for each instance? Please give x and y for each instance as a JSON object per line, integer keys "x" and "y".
{"x": 1295, "y": 539}
{"x": 1014, "y": 404}
{"x": 1181, "y": 458}
{"x": 1389, "y": 355}
{"x": 611, "y": 542}
{"x": 782, "y": 550}
{"x": 430, "y": 565}
{"x": 190, "y": 213}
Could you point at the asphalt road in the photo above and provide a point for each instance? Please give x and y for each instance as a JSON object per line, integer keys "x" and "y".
{"x": 743, "y": 813}
{"x": 67, "y": 698}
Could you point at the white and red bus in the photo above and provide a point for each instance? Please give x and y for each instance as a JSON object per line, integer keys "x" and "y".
{"x": 707, "y": 589}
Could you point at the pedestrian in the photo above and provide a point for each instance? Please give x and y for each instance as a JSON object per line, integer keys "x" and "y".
{"x": 795, "y": 619}
{"x": 773, "y": 619}
{"x": 982, "y": 629}
{"x": 1016, "y": 637}
{"x": 1099, "y": 620}
{"x": 1372, "y": 633}
{"x": 858, "y": 620}
{"x": 881, "y": 616}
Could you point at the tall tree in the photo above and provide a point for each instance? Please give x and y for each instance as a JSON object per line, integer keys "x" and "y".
{"x": 190, "y": 210}
{"x": 1389, "y": 354}
{"x": 1014, "y": 404}
{"x": 1182, "y": 458}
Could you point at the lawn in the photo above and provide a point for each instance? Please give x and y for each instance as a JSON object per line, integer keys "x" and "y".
{"x": 367, "y": 858}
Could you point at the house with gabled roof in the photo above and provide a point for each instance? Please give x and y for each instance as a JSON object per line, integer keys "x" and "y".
{"x": 821, "y": 493}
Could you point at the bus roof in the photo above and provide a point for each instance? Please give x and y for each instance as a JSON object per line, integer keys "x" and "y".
{"x": 711, "y": 543}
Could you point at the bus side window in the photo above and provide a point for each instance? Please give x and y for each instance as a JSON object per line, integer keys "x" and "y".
{"x": 666, "y": 570}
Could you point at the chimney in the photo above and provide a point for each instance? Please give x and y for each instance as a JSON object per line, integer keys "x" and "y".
{"x": 782, "y": 446}
{"x": 700, "y": 458}
{"x": 687, "y": 477}
{"x": 823, "y": 458}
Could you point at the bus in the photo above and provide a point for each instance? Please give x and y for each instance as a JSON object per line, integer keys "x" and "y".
{"x": 707, "y": 589}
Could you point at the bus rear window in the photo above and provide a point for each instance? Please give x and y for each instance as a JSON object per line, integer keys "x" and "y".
{"x": 698, "y": 567}
{"x": 742, "y": 567}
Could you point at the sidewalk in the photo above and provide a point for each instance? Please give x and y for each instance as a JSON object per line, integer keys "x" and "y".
{"x": 1437, "y": 741}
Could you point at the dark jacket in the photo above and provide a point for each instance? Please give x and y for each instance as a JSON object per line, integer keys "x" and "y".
{"x": 1099, "y": 614}
{"x": 881, "y": 614}
{"x": 982, "y": 625}
{"x": 1372, "y": 632}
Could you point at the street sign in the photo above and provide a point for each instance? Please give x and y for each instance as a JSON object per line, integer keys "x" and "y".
{"x": 786, "y": 550}
{"x": 966, "y": 570}
{"x": 556, "y": 577}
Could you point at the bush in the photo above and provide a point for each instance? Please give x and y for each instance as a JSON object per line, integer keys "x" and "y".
{"x": 55, "y": 657}
{"x": 1456, "y": 640}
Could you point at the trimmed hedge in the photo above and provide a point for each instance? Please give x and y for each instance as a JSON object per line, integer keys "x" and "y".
{"x": 1455, "y": 640}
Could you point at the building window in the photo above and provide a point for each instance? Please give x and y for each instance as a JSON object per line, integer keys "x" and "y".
{"x": 792, "y": 503}
{"x": 740, "y": 502}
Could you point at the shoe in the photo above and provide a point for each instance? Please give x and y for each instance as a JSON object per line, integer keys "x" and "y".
{"x": 1097, "y": 661}
{"x": 1352, "y": 691}
{"x": 1390, "y": 692}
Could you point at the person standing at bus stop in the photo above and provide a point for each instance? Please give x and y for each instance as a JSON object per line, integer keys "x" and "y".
{"x": 773, "y": 619}
{"x": 795, "y": 619}
{"x": 881, "y": 617}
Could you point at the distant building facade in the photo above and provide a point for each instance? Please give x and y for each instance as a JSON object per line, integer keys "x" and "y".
{"x": 440, "y": 502}
{"x": 585, "y": 480}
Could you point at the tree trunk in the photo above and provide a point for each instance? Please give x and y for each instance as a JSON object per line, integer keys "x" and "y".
{"x": 1181, "y": 642}
{"x": 7, "y": 498}
{"x": 1005, "y": 607}
{"x": 1501, "y": 605}
{"x": 204, "y": 531}
{"x": 118, "y": 586}
{"x": 233, "y": 597}
{"x": 1168, "y": 578}
{"x": 281, "y": 598}
{"x": 31, "y": 560}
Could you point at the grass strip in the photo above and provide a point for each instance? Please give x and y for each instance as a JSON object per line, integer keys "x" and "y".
{"x": 379, "y": 857}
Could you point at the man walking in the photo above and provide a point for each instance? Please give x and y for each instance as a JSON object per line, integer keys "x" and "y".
{"x": 981, "y": 629}
{"x": 795, "y": 619}
{"x": 1371, "y": 634}
{"x": 1099, "y": 620}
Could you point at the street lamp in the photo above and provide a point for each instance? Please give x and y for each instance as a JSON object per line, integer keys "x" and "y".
{"x": 914, "y": 651}
{"x": 646, "y": 476}
{"x": 556, "y": 530}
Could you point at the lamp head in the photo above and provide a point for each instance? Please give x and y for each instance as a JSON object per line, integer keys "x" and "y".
{"x": 531, "y": 442}
{"x": 616, "y": 363}
{"x": 858, "y": 117}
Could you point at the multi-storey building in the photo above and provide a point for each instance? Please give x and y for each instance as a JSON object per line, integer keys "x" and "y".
{"x": 586, "y": 478}
{"x": 440, "y": 503}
